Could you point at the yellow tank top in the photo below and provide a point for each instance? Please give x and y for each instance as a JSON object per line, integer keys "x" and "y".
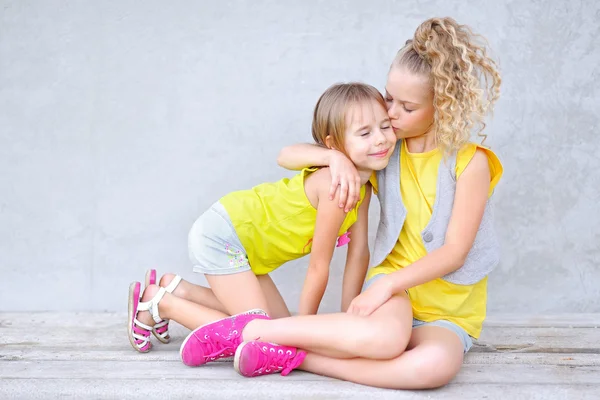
{"x": 465, "y": 305}
{"x": 276, "y": 222}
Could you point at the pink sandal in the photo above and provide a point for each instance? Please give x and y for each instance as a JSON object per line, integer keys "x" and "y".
{"x": 161, "y": 329}
{"x": 138, "y": 332}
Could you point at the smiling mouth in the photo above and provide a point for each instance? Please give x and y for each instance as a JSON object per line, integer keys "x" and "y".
{"x": 381, "y": 154}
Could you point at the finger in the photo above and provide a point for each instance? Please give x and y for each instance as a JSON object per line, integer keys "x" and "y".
{"x": 335, "y": 181}
{"x": 357, "y": 187}
{"x": 348, "y": 204}
{"x": 343, "y": 192}
{"x": 352, "y": 201}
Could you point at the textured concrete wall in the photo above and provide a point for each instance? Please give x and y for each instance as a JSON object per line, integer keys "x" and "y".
{"x": 121, "y": 121}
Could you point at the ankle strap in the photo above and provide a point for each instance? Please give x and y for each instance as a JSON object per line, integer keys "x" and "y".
{"x": 174, "y": 283}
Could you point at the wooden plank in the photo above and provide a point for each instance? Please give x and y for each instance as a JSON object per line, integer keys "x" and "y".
{"x": 51, "y": 354}
{"x": 167, "y": 370}
{"x": 283, "y": 389}
{"x": 113, "y": 337}
{"x": 257, "y": 388}
{"x": 544, "y": 321}
{"x": 170, "y": 353}
{"x": 533, "y": 359}
{"x": 78, "y": 319}
{"x": 541, "y": 340}
{"x": 107, "y": 332}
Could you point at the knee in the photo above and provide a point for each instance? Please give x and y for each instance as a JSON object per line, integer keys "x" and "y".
{"x": 149, "y": 292}
{"x": 167, "y": 279}
{"x": 384, "y": 340}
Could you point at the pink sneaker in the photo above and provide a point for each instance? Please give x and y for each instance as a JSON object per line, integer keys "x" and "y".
{"x": 217, "y": 339}
{"x": 259, "y": 358}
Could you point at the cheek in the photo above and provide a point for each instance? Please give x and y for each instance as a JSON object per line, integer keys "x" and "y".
{"x": 417, "y": 120}
{"x": 391, "y": 136}
{"x": 358, "y": 148}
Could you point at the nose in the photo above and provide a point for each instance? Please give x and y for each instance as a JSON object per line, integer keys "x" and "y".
{"x": 380, "y": 137}
{"x": 393, "y": 111}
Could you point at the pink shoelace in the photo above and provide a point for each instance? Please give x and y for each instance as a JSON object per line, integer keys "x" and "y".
{"x": 215, "y": 346}
{"x": 275, "y": 360}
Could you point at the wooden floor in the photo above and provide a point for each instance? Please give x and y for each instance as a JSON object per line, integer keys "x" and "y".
{"x": 49, "y": 355}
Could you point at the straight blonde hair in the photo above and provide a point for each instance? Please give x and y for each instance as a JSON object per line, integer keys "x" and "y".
{"x": 330, "y": 118}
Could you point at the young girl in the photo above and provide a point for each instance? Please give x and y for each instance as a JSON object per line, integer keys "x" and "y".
{"x": 248, "y": 234}
{"x": 435, "y": 242}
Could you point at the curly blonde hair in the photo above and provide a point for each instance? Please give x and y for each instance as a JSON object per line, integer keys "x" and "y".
{"x": 464, "y": 79}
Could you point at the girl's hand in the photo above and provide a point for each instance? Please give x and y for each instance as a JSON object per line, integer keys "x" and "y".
{"x": 371, "y": 299}
{"x": 345, "y": 176}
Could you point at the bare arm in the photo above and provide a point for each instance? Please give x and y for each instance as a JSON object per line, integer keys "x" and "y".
{"x": 357, "y": 259}
{"x": 329, "y": 220}
{"x": 343, "y": 172}
{"x": 303, "y": 155}
{"x": 469, "y": 204}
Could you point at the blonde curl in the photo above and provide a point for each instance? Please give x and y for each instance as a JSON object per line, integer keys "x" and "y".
{"x": 464, "y": 79}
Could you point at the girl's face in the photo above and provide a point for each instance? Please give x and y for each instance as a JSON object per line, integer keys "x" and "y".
{"x": 369, "y": 140}
{"x": 409, "y": 100}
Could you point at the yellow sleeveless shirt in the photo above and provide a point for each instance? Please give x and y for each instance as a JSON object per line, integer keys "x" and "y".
{"x": 464, "y": 305}
{"x": 276, "y": 222}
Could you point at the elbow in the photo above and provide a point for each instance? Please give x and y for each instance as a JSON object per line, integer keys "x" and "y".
{"x": 281, "y": 157}
{"x": 318, "y": 273}
{"x": 457, "y": 255}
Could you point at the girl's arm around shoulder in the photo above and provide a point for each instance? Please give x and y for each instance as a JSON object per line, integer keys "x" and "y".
{"x": 327, "y": 225}
{"x": 469, "y": 205}
{"x": 357, "y": 259}
{"x": 303, "y": 155}
{"x": 346, "y": 180}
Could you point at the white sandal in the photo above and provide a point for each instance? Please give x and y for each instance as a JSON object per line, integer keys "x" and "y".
{"x": 138, "y": 332}
{"x": 161, "y": 328}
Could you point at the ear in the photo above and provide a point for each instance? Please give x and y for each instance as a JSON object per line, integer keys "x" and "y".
{"x": 329, "y": 142}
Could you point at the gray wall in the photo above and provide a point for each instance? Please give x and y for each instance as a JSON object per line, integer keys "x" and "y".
{"x": 121, "y": 121}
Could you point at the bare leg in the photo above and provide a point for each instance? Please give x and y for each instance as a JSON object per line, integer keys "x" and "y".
{"x": 194, "y": 293}
{"x": 206, "y": 297}
{"x": 382, "y": 335}
{"x": 187, "y": 313}
{"x": 277, "y": 306}
{"x": 238, "y": 292}
{"x": 433, "y": 359}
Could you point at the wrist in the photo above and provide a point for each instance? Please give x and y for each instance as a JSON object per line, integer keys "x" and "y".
{"x": 330, "y": 155}
{"x": 386, "y": 285}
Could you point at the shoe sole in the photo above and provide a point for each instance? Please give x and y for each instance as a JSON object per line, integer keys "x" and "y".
{"x": 130, "y": 311}
{"x": 150, "y": 277}
{"x": 236, "y": 358}
{"x": 188, "y": 337}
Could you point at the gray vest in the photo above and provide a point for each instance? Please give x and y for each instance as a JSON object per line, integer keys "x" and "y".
{"x": 485, "y": 253}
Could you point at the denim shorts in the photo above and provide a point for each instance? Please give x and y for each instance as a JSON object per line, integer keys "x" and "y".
{"x": 214, "y": 246}
{"x": 464, "y": 337}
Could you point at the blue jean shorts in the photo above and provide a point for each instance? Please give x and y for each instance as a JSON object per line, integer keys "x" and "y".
{"x": 464, "y": 337}
{"x": 214, "y": 246}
